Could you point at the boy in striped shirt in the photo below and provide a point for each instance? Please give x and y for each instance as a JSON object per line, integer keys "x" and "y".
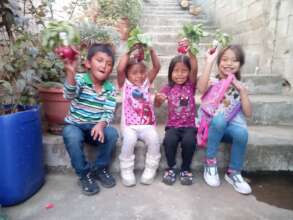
{"x": 93, "y": 101}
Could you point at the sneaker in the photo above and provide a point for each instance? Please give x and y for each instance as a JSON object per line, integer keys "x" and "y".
{"x": 211, "y": 175}
{"x": 88, "y": 185}
{"x": 169, "y": 177}
{"x": 237, "y": 181}
{"x": 106, "y": 179}
{"x": 186, "y": 178}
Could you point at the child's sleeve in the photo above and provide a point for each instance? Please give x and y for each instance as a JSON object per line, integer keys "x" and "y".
{"x": 109, "y": 106}
{"x": 71, "y": 91}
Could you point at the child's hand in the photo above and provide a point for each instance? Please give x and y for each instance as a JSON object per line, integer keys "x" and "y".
{"x": 70, "y": 67}
{"x": 183, "y": 46}
{"x": 98, "y": 131}
{"x": 160, "y": 98}
{"x": 211, "y": 55}
{"x": 240, "y": 86}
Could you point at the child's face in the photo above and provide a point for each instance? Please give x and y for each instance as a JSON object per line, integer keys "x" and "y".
{"x": 180, "y": 73}
{"x": 228, "y": 64}
{"x": 101, "y": 65}
{"x": 137, "y": 74}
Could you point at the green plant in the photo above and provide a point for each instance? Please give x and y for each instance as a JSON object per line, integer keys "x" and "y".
{"x": 17, "y": 73}
{"x": 224, "y": 39}
{"x": 111, "y": 10}
{"x": 52, "y": 38}
{"x": 137, "y": 37}
{"x": 194, "y": 33}
{"x": 91, "y": 33}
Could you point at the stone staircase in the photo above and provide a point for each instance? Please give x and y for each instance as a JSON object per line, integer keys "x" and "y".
{"x": 270, "y": 144}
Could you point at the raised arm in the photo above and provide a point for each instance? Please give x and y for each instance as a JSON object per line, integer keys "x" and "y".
{"x": 156, "y": 65}
{"x": 121, "y": 69}
{"x": 203, "y": 80}
{"x": 194, "y": 67}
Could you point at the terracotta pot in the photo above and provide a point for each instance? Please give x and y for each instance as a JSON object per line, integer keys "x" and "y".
{"x": 55, "y": 107}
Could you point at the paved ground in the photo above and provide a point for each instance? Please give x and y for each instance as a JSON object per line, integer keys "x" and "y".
{"x": 157, "y": 201}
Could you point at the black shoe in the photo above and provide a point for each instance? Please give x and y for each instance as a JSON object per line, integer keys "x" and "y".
{"x": 169, "y": 177}
{"x": 88, "y": 185}
{"x": 106, "y": 179}
{"x": 186, "y": 178}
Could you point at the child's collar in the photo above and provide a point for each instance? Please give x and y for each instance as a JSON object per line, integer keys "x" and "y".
{"x": 106, "y": 84}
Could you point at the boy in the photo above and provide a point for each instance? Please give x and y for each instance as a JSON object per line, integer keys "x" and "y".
{"x": 91, "y": 110}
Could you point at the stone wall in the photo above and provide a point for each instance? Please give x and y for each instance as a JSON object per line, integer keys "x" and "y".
{"x": 263, "y": 27}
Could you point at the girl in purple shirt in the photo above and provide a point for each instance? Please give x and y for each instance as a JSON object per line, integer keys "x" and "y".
{"x": 179, "y": 94}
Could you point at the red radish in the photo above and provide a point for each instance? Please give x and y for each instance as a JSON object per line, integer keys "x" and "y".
{"x": 182, "y": 49}
{"x": 66, "y": 52}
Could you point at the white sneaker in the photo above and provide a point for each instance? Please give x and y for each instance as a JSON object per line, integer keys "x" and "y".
{"x": 128, "y": 178}
{"x": 148, "y": 176}
{"x": 239, "y": 184}
{"x": 211, "y": 175}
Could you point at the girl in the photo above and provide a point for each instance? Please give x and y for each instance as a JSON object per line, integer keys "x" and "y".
{"x": 180, "y": 127}
{"x": 232, "y": 130}
{"x": 138, "y": 119}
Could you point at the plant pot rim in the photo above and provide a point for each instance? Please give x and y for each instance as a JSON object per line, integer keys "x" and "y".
{"x": 50, "y": 89}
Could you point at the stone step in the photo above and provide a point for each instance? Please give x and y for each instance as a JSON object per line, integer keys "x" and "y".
{"x": 173, "y": 37}
{"x": 267, "y": 110}
{"x": 172, "y": 14}
{"x": 171, "y": 28}
{"x": 167, "y": 48}
{"x": 270, "y": 148}
{"x": 164, "y": 21}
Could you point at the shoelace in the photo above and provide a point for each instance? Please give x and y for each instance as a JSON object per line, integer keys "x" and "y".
{"x": 106, "y": 173}
{"x": 89, "y": 178}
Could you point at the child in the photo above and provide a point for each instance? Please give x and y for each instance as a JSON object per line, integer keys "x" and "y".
{"x": 180, "y": 126}
{"x": 91, "y": 110}
{"x": 233, "y": 130}
{"x": 138, "y": 119}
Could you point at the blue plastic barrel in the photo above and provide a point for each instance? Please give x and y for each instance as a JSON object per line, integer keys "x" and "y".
{"x": 21, "y": 155}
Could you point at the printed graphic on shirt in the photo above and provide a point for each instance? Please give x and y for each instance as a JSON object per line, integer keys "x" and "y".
{"x": 138, "y": 108}
{"x": 231, "y": 103}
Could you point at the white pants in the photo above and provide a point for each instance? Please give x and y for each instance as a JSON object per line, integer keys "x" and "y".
{"x": 146, "y": 133}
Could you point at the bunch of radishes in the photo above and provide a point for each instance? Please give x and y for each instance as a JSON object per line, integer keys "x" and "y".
{"x": 60, "y": 36}
{"x": 138, "y": 44}
{"x": 193, "y": 33}
{"x": 221, "y": 39}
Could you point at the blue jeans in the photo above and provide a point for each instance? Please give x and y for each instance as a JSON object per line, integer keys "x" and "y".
{"x": 222, "y": 131}
{"x": 74, "y": 137}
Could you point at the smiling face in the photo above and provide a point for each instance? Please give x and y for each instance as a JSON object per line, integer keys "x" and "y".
{"x": 100, "y": 65}
{"x": 137, "y": 74}
{"x": 180, "y": 73}
{"x": 228, "y": 64}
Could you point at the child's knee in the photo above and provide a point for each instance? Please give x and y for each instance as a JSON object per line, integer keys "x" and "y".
{"x": 242, "y": 135}
{"x": 219, "y": 122}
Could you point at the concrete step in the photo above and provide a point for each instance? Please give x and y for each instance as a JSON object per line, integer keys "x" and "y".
{"x": 170, "y": 48}
{"x": 270, "y": 148}
{"x": 267, "y": 110}
{"x": 163, "y": 21}
{"x": 173, "y": 37}
{"x": 171, "y": 28}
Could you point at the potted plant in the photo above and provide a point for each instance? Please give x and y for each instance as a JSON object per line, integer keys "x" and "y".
{"x": 21, "y": 153}
{"x": 58, "y": 39}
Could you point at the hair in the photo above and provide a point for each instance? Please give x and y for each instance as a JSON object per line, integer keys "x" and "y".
{"x": 131, "y": 63}
{"x": 239, "y": 53}
{"x": 104, "y": 48}
{"x": 178, "y": 59}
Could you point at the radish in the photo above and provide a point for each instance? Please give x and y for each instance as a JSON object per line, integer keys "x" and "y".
{"x": 66, "y": 52}
{"x": 182, "y": 49}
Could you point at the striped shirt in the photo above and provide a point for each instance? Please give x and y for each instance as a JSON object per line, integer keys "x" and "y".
{"x": 88, "y": 106}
